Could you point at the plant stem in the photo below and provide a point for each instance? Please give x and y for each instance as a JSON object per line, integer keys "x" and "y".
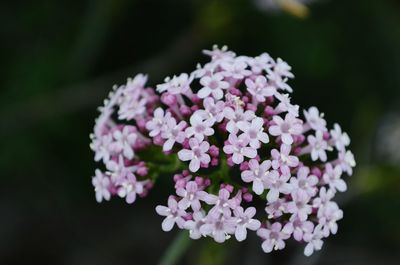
{"x": 176, "y": 249}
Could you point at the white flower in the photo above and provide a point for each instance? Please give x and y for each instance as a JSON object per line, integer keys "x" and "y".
{"x": 199, "y": 127}
{"x": 257, "y": 174}
{"x": 273, "y": 236}
{"x": 254, "y": 131}
{"x": 235, "y": 116}
{"x": 285, "y": 105}
{"x": 346, "y": 161}
{"x": 101, "y": 185}
{"x": 173, "y": 214}
{"x": 102, "y": 147}
{"x": 339, "y": 138}
{"x": 286, "y": 128}
{"x": 124, "y": 141}
{"x": 212, "y": 110}
{"x": 157, "y": 122}
{"x": 213, "y": 85}
{"x": 194, "y": 225}
{"x": 315, "y": 120}
{"x": 244, "y": 221}
{"x": 235, "y": 69}
{"x": 177, "y": 85}
{"x": 172, "y": 132}
{"x": 313, "y": 240}
{"x": 332, "y": 177}
{"x": 129, "y": 188}
{"x": 196, "y": 155}
{"x": 260, "y": 63}
{"x": 238, "y": 148}
{"x": 318, "y": 146}
{"x": 259, "y": 88}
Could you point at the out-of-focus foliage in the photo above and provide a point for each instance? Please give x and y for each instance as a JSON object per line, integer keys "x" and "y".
{"x": 59, "y": 59}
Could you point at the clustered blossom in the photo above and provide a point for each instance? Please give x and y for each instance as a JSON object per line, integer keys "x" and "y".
{"x": 231, "y": 117}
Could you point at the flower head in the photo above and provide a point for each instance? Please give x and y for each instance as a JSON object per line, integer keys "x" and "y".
{"x": 232, "y": 122}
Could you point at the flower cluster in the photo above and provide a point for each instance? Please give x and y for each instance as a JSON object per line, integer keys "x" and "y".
{"x": 233, "y": 140}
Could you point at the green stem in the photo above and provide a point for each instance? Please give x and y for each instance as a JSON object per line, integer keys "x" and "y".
{"x": 176, "y": 249}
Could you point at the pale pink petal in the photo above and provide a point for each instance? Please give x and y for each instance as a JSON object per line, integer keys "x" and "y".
{"x": 272, "y": 195}
{"x": 185, "y": 155}
{"x": 167, "y": 224}
{"x": 258, "y": 186}
{"x": 253, "y": 224}
{"x": 162, "y": 210}
{"x": 240, "y": 233}
{"x": 168, "y": 144}
{"x": 194, "y": 165}
{"x": 249, "y": 152}
{"x": 237, "y": 158}
{"x": 274, "y": 130}
{"x": 247, "y": 176}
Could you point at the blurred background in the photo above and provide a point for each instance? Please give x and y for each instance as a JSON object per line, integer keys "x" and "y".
{"x": 59, "y": 59}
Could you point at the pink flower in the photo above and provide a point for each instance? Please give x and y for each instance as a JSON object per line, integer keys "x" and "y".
{"x": 117, "y": 169}
{"x": 235, "y": 69}
{"x": 300, "y": 228}
{"x": 177, "y": 85}
{"x": 332, "y": 178}
{"x": 197, "y": 154}
{"x": 324, "y": 198}
{"x": 328, "y": 218}
{"x": 194, "y": 225}
{"x": 213, "y": 85}
{"x": 277, "y": 184}
{"x": 313, "y": 240}
{"x": 286, "y": 128}
{"x": 190, "y": 196}
{"x": 101, "y": 185}
{"x": 304, "y": 182}
{"x": 222, "y": 203}
{"x": 299, "y": 206}
{"x": 340, "y": 139}
{"x": 245, "y": 221}
{"x": 259, "y": 88}
{"x": 157, "y": 122}
{"x": 173, "y": 215}
{"x": 129, "y": 188}
{"x": 257, "y": 174}
{"x": 279, "y": 74}
{"x": 314, "y": 119}
{"x": 282, "y": 68}
{"x": 254, "y": 131}
{"x": 235, "y": 116}
{"x": 282, "y": 160}
{"x": 273, "y": 237}
{"x": 220, "y": 228}
{"x": 238, "y": 148}
{"x": 318, "y": 146}
{"x": 285, "y": 105}
{"x": 124, "y": 141}
{"x": 173, "y": 133}
{"x": 132, "y": 108}
{"x": 134, "y": 98}
{"x": 276, "y": 208}
{"x": 102, "y": 147}
{"x": 260, "y": 63}
{"x": 346, "y": 161}
{"x": 199, "y": 127}
{"x": 219, "y": 54}
{"x": 212, "y": 110}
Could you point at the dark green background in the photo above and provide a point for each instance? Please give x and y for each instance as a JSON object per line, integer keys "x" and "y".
{"x": 60, "y": 58}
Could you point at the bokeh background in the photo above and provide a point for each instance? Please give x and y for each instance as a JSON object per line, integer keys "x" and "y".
{"x": 59, "y": 59}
